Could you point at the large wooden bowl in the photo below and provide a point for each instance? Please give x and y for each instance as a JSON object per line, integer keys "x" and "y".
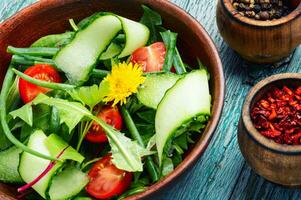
{"x": 259, "y": 41}
{"x": 51, "y": 16}
{"x": 277, "y": 163}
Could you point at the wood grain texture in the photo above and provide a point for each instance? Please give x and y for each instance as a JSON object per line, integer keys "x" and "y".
{"x": 221, "y": 173}
{"x": 259, "y": 41}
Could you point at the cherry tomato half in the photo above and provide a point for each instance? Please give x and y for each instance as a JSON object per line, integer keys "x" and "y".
{"x": 151, "y": 57}
{"x": 111, "y": 116}
{"x": 106, "y": 180}
{"x": 29, "y": 91}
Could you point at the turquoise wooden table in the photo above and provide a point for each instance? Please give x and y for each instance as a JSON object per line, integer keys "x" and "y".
{"x": 221, "y": 173}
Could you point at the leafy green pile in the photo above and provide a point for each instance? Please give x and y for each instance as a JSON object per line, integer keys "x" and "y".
{"x": 70, "y": 110}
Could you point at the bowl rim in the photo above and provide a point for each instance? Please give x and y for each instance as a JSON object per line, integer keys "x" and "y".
{"x": 248, "y": 124}
{"x": 258, "y": 23}
{"x": 217, "y": 107}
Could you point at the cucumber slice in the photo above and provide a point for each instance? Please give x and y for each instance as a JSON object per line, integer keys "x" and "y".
{"x": 136, "y": 35}
{"x": 80, "y": 56}
{"x": 186, "y": 100}
{"x": 9, "y": 161}
{"x": 67, "y": 184}
{"x": 55, "y": 145}
{"x": 112, "y": 51}
{"x": 154, "y": 88}
{"x": 31, "y": 166}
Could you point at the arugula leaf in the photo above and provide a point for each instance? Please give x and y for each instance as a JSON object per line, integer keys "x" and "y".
{"x": 132, "y": 163}
{"x": 170, "y": 40}
{"x": 90, "y": 95}
{"x": 53, "y": 40}
{"x": 167, "y": 167}
{"x": 41, "y": 117}
{"x": 70, "y": 113}
{"x": 151, "y": 143}
{"x": 147, "y": 116}
{"x": 25, "y": 114}
{"x": 152, "y": 20}
{"x": 26, "y": 131}
{"x": 126, "y": 153}
{"x": 4, "y": 141}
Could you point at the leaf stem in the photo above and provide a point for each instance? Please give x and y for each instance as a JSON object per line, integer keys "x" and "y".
{"x": 150, "y": 165}
{"x": 89, "y": 163}
{"x": 33, "y": 51}
{"x": 55, "y": 86}
{"x": 5, "y": 87}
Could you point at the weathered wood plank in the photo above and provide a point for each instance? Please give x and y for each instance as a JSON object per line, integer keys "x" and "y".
{"x": 222, "y": 172}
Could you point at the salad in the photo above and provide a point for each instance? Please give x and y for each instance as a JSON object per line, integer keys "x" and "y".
{"x": 99, "y": 112}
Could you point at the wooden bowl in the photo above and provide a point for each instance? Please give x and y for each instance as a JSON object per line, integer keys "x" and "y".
{"x": 277, "y": 163}
{"x": 51, "y": 16}
{"x": 259, "y": 41}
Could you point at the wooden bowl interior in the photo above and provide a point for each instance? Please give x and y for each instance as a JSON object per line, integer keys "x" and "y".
{"x": 51, "y": 16}
{"x": 289, "y": 82}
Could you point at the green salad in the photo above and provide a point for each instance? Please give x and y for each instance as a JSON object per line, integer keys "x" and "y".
{"x": 102, "y": 111}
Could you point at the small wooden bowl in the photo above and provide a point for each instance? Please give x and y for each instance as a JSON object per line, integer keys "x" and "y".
{"x": 277, "y": 163}
{"x": 51, "y": 16}
{"x": 259, "y": 41}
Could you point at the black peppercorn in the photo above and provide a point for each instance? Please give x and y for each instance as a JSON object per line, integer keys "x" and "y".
{"x": 264, "y": 15}
{"x": 262, "y": 9}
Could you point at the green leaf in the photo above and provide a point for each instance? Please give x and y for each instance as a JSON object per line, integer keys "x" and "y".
{"x": 181, "y": 141}
{"x": 53, "y": 40}
{"x": 26, "y": 131}
{"x": 4, "y": 141}
{"x": 147, "y": 116}
{"x": 170, "y": 40}
{"x": 125, "y": 152}
{"x": 167, "y": 166}
{"x": 151, "y": 143}
{"x": 90, "y": 95}
{"x": 151, "y": 19}
{"x": 71, "y": 113}
{"x": 24, "y": 113}
{"x": 55, "y": 144}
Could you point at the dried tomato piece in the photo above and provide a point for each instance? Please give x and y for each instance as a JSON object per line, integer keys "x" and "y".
{"x": 278, "y": 115}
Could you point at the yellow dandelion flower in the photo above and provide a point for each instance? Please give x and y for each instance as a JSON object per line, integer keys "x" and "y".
{"x": 124, "y": 81}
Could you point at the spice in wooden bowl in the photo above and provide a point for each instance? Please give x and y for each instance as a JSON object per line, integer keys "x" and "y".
{"x": 262, "y": 9}
{"x": 278, "y": 115}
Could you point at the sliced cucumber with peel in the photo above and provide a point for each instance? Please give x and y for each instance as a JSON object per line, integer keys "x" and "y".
{"x": 185, "y": 101}
{"x": 31, "y": 166}
{"x": 9, "y": 161}
{"x": 136, "y": 35}
{"x": 55, "y": 145}
{"x": 67, "y": 184}
{"x": 153, "y": 89}
{"x": 80, "y": 56}
{"x": 94, "y": 42}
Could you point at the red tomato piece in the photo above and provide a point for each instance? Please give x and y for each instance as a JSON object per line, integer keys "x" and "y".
{"x": 151, "y": 57}
{"x": 29, "y": 91}
{"x": 106, "y": 180}
{"x": 111, "y": 116}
